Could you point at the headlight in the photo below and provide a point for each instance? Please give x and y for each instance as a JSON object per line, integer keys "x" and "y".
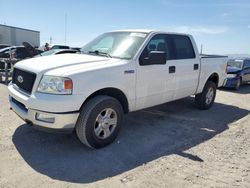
{"x": 55, "y": 85}
{"x": 231, "y": 75}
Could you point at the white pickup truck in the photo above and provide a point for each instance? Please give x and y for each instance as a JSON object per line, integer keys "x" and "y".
{"x": 116, "y": 73}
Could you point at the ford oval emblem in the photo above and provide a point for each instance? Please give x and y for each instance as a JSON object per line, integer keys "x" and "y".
{"x": 20, "y": 79}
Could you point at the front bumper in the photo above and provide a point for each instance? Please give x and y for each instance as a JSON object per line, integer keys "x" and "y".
{"x": 231, "y": 82}
{"x": 61, "y": 121}
{"x": 63, "y": 110}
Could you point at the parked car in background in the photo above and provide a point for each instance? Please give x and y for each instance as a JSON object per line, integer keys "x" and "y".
{"x": 39, "y": 51}
{"x": 14, "y": 52}
{"x": 18, "y": 52}
{"x": 5, "y": 52}
{"x": 53, "y": 47}
{"x": 58, "y": 47}
{"x": 238, "y": 72}
{"x": 4, "y": 46}
{"x": 56, "y": 52}
{"x": 76, "y": 48}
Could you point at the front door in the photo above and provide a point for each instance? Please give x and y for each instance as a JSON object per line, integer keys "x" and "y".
{"x": 155, "y": 83}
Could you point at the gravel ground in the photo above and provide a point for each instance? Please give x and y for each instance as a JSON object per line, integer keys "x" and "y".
{"x": 172, "y": 145}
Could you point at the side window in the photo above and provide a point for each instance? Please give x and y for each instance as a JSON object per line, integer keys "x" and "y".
{"x": 183, "y": 47}
{"x": 247, "y": 64}
{"x": 157, "y": 43}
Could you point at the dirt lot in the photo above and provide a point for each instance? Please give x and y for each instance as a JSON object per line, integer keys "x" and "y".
{"x": 172, "y": 145}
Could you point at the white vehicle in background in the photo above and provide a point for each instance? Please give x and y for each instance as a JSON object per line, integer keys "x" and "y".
{"x": 118, "y": 72}
{"x": 57, "y": 52}
{"x": 57, "y": 46}
{"x": 4, "y": 46}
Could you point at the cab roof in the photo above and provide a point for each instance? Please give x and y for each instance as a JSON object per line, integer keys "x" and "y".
{"x": 148, "y": 31}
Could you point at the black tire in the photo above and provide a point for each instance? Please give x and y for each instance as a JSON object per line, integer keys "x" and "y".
{"x": 87, "y": 121}
{"x": 238, "y": 84}
{"x": 201, "y": 100}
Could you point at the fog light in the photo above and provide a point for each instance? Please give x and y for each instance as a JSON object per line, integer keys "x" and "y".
{"x": 45, "y": 118}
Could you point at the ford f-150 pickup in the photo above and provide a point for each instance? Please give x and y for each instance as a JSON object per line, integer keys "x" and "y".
{"x": 116, "y": 73}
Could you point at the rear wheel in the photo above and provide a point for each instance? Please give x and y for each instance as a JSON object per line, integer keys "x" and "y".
{"x": 205, "y": 99}
{"x": 99, "y": 121}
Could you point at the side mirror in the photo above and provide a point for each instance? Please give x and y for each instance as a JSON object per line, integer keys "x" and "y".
{"x": 155, "y": 58}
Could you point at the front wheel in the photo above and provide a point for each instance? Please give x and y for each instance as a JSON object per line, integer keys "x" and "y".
{"x": 238, "y": 84}
{"x": 99, "y": 121}
{"x": 205, "y": 99}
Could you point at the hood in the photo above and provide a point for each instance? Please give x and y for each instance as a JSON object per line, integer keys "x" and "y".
{"x": 233, "y": 69}
{"x": 63, "y": 61}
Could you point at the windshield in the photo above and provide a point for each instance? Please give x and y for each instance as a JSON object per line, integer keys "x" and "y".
{"x": 235, "y": 63}
{"x": 122, "y": 45}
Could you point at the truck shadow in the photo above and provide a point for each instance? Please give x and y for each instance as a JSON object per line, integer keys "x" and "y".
{"x": 147, "y": 135}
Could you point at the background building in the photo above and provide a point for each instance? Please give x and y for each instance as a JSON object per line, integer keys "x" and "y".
{"x": 16, "y": 36}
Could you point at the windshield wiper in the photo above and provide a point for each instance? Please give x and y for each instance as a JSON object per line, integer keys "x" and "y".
{"x": 100, "y": 53}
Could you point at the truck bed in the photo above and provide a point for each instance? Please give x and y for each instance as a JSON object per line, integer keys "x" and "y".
{"x": 210, "y": 64}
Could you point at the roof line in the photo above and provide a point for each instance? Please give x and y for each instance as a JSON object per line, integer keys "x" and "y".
{"x": 19, "y": 28}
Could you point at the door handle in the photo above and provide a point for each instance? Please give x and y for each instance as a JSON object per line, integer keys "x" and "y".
{"x": 129, "y": 71}
{"x": 196, "y": 66}
{"x": 172, "y": 69}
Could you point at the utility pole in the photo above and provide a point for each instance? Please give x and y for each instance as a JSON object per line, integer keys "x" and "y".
{"x": 65, "y": 39}
{"x": 50, "y": 40}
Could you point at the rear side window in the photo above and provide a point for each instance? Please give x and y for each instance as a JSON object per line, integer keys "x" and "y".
{"x": 183, "y": 47}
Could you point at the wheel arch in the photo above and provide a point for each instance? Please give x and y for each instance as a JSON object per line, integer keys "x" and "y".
{"x": 112, "y": 92}
{"x": 214, "y": 78}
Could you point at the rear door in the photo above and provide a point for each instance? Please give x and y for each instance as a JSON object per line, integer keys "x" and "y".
{"x": 187, "y": 66}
